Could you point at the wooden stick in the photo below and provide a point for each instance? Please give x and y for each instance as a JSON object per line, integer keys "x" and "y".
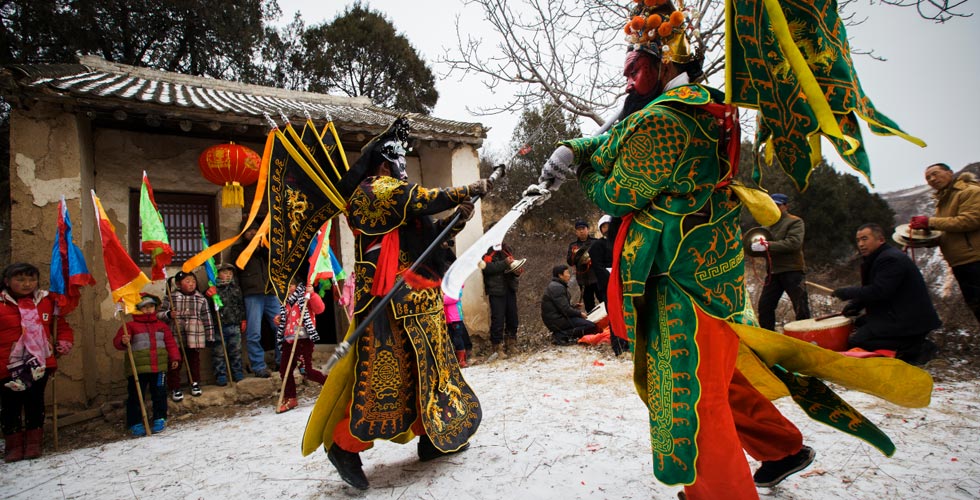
{"x": 136, "y": 379}
{"x": 819, "y": 287}
{"x": 180, "y": 337}
{"x": 224, "y": 347}
{"x": 54, "y": 386}
{"x": 828, "y": 316}
{"x": 292, "y": 352}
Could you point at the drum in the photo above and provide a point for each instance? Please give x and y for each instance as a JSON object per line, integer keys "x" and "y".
{"x": 599, "y": 316}
{"x": 830, "y": 333}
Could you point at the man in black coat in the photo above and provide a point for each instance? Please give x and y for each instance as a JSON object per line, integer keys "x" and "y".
{"x": 500, "y": 283}
{"x": 566, "y": 322}
{"x": 898, "y": 313}
{"x": 578, "y": 258}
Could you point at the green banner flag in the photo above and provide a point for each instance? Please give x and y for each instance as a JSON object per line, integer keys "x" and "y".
{"x": 790, "y": 61}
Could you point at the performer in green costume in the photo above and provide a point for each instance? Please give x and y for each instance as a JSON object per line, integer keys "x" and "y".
{"x": 402, "y": 379}
{"x": 667, "y": 167}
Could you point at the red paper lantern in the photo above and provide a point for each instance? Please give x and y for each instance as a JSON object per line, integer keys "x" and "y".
{"x": 232, "y": 166}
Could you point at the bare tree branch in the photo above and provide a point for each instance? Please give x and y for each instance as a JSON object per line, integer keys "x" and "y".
{"x": 568, "y": 53}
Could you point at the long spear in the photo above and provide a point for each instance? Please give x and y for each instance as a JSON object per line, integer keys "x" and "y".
{"x": 345, "y": 345}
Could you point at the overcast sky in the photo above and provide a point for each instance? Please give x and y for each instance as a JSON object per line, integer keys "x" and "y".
{"x": 927, "y": 85}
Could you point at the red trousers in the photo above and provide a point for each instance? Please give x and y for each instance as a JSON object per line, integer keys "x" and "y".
{"x": 733, "y": 415}
{"x": 304, "y": 350}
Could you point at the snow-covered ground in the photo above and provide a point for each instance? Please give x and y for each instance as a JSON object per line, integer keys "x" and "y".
{"x": 558, "y": 424}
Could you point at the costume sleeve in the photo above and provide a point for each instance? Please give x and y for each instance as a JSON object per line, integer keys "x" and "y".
{"x": 425, "y": 201}
{"x": 793, "y": 241}
{"x": 571, "y": 253}
{"x": 967, "y": 218}
{"x": 636, "y": 163}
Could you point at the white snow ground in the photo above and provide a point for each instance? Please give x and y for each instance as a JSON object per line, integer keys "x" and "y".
{"x": 557, "y": 424}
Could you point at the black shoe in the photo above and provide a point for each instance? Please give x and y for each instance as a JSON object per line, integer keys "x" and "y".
{"x": 926, "y": 351}
{"x": 773, "y": 472}
{"x": 263, "y": 374}
{"x": 428, "y": 451}
{"x": 348, "y": 465}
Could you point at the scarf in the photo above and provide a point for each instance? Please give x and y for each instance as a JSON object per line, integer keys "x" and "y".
{"x": 295, "y": 300}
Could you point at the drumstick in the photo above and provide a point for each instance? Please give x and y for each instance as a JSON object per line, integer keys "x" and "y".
{"x": 819, "y": 287}
{"x": 828, "y": 316}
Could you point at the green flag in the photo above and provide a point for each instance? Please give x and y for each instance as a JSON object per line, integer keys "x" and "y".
{"x": 153, "y": 235}
{"x": 210, "y": 268}
{"x": 790, "y": 61}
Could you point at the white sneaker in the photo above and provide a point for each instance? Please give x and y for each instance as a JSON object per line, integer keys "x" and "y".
{"x": 177, "y": 396}
{"x": 196, "y": 389}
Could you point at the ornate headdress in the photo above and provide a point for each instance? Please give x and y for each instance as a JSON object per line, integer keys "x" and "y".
{"x": 657, "y": 27}
{"x": 390, "y": 145}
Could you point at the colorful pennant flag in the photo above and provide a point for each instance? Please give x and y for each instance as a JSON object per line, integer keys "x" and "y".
{"x": 153, "y": 235}
{"x": 791, "y": 61}
{"x": 126, "y": 280}
{"x": 68, "y": 270}
{"x": 211, "y": 269}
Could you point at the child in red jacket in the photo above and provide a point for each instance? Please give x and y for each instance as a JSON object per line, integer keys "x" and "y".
{"x": 154, "y": 350}
{"x": 297, "y": 330}
{"x": 27, "y": 358}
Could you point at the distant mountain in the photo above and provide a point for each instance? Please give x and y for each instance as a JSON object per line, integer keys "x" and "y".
{"x": 918, "y": 200}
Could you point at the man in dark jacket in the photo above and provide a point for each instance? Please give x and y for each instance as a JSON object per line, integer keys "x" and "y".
{"x": 579, "y": 259}
{"x": 500, "y": 283}
{"x": 259, "y": 301}
{"x": 898, "y": 313}
{"x": 566, "y": 322}
{"x": 786, "y": 271}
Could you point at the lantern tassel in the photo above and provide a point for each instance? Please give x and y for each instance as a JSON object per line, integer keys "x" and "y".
{"x": 233, "y": 195}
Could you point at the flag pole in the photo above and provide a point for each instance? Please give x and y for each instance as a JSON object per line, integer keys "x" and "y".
{"x": 136, "y": 377}
{"x": 224, "y": 347}
{"x": 292, "y": 351}
{"x": 54, "y": 385}
{"x": 180, "y": 337}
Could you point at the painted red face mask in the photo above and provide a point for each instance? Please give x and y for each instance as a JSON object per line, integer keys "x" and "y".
{"x": 639, "y": 73}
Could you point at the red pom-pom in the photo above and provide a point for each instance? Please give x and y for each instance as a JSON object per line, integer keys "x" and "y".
{"x": 677, "y": 18}
{"x": 638, "y": 23}
{"x": 654, "y": 22}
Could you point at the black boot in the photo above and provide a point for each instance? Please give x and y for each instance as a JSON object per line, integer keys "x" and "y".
{"x": 773, "y": 472}
{"x": 348, "y": 465}
{"x": 428, "y": 451}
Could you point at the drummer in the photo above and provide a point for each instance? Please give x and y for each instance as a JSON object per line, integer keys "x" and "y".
{"x": 897, "y": 311}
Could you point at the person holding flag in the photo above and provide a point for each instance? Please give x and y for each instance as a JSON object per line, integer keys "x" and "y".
{"x": 27, "y": 358}
{"x": 68, "y": 274}
{"x": 231, "y": 317}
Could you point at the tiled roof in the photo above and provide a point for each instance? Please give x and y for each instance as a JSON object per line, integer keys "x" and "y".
{"x": 110, "y": 84}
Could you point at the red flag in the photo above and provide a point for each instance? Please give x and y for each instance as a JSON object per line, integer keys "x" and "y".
{"x": 126, "y": 280}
